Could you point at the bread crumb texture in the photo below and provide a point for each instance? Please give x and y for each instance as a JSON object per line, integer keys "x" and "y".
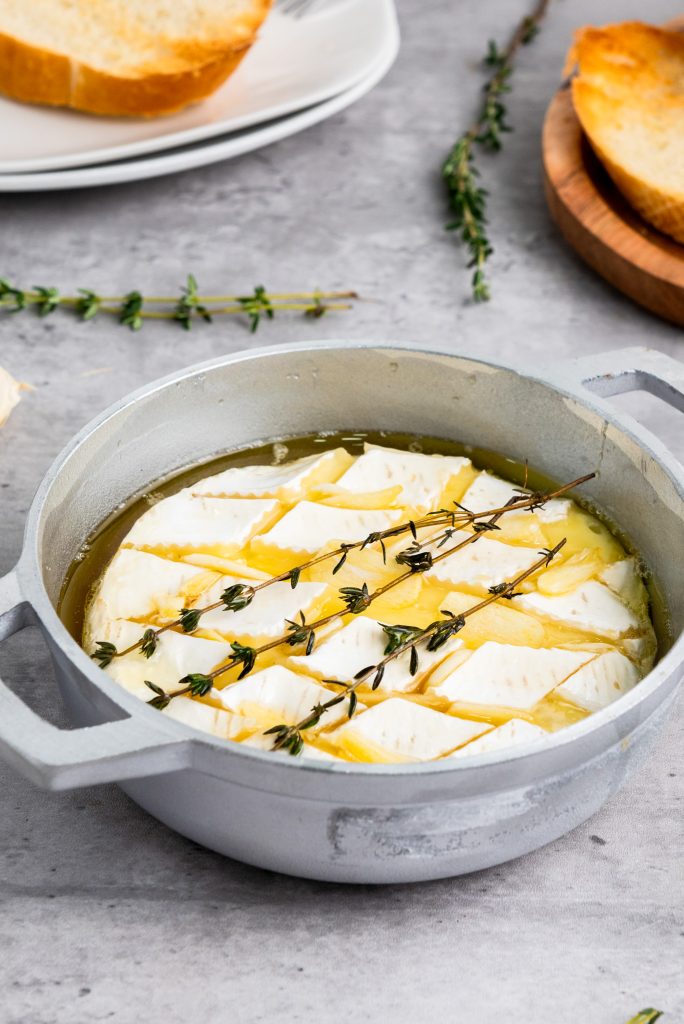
{"x": 123, "y": 57}
{"x": 628, "y": 93}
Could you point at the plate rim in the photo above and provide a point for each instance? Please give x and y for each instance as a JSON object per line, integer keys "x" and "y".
{"x": 211, "y": 151}
{"x": 208, "y": 130}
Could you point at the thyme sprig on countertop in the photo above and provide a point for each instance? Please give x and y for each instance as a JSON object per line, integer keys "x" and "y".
{"x": 132, "y": 309}
{"x": 468, "y": 201}
{"x": 402, "y": 640}
{"x": 240, "y": 595}
{"x": 648, "y": 1016}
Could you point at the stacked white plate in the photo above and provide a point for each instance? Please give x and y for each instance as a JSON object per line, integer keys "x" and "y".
{"x": 310, "y": 61}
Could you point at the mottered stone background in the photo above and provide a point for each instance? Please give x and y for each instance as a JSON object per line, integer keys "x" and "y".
{"x": 107, "y": 915}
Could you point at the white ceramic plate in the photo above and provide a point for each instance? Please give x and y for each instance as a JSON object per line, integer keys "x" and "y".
{"x": 200, "y": 154}
{"x": 296, "y": 63}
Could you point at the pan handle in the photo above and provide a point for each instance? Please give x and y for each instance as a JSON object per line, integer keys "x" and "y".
{"x": 61, "y": 759}
{"x": 632, "y": 369}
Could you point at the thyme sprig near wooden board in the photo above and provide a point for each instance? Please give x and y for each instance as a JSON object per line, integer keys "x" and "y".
{"x": 186, "y": 308}
{"x": 402, "y": 640}
{"x": 467, "y": 199}
{"x": 240, "y": 595}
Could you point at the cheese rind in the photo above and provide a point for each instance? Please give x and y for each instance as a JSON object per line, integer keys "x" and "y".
{"x": 186, "y": 522}
{"x": 591, "y": 607}
{"x": 177, "y": 654}
{"x": 601, "y": 681}
{"x": 512, "y": 734}
{"x": 137, "y": 585}
{"x": 286, "y": 481}
{"x": 284, "y": 695}
{"x": 224, "y": 724}
{"x": 265, "y": 616}
{"x": 362, "y": 643}
{"x": 308, "y": 527}
{"x": 483, "y": 563}
{"x": 488, "y": 491}
{"x": 510, "y": 676}
{"x": 422, "y": 478}
{"x": 404, "y": 729}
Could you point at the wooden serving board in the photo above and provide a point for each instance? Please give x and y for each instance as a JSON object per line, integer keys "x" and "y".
{"x": 599, "y": 223}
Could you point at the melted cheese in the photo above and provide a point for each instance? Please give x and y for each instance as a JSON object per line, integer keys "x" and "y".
{"x": 185, "y": 522}
{"x": 276, "y": 695}
{"x": 600, "y": 681}
{"x": 265, "y": 617}
{"x": 483, "y": 563}
{"x": 575, "y": 639}
{"x": 489, "y": 492}
{"x": 514, "y": 733}
{"x": 287, "y": 482}
{"x": 362, "y": 643}
{"x": 422, "y": 478}
{"x": 176, "y": 656}
{"x": 591, "y": 607}
{"x": 510, "y": 676}
{"x": 400, "y": 729}
{"x": 308, "y": 527}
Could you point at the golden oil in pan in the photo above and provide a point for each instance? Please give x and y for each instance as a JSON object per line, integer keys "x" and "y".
{"x": 100, "y": 548}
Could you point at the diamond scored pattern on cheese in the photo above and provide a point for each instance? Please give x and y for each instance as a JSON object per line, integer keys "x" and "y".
{"x": 138, "y": 585}
{"x": 186, "y": 522}
{"x": 483, "y": 563}
{"x": 265, "y": 616}
{"x": 510, "y": 676}
{"x": 287, "y": 481}
{"x": 600, "y": 682}
{"x": 513, "y": 734}
{"x": 488, "y": 491}
{"x": 423, "y": 478}
{"x": 225, "y": 724}
{"x": 402, "y": 729}
{"x": 591, "y": 607}
{"x": 283, "y": 695}
{"x": 237, "y": 521}
{"x": 174, "y": 658}
{"x": 308, "y": 527}
{"x": 362, "y": 643}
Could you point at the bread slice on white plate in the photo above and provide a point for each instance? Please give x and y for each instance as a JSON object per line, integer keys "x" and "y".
{"x": 628, "y": 94}
{"x": 123, "y": 57}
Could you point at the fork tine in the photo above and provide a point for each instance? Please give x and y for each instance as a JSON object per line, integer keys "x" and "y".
{"x": 295, "y": 8}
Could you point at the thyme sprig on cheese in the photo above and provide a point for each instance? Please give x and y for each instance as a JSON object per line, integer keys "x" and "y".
{"x": 133, "y": 309}
{"x": 402, "y": 640}
{"x": 356, "y": 599}
{"x": 468, "y": 201}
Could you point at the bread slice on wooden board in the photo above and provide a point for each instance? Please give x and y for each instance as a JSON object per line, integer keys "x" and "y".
{"x": 123, "y": 57}
{"x": 628, "y": 93}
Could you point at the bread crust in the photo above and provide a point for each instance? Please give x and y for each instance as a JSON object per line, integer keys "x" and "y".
{"x": 35, "y": 75}
{"x": 631, "y": 63}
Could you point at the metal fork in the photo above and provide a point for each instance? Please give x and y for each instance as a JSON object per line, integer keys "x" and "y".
{"x": 296, "y": 8}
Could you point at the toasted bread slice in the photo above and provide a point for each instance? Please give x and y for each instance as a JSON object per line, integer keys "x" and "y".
{"x": 628, "y": 93}
{"x": 123, "y": 57}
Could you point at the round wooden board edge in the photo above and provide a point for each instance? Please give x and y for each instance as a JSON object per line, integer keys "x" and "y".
{"x": 639, "y": 261}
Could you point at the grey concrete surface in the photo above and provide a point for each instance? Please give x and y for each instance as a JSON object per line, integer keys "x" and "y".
{"x": 106, "y": 915}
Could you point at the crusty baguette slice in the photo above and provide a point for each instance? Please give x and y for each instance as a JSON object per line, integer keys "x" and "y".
{"x": 123, "y": 57}
{"x": 629, "y": 97}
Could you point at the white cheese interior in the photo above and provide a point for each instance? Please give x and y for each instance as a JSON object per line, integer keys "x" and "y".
{"x": 518, "y": 669}
{"x": 361, "y": 643}
{"x": 509, "y": 675}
